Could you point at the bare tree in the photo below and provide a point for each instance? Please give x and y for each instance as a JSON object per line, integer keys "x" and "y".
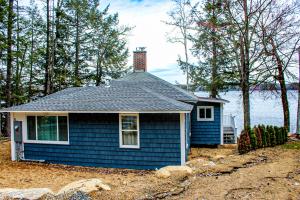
{"x": 243, "y": 18}
{"x": 181, "y": 20}
{"x": 279, "y": 33}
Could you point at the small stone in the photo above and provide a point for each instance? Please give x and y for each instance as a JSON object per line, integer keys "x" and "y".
{"x": 296, "y": 184}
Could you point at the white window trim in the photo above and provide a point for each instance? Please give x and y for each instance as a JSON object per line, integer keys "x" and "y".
{"x": 205, "y": 119}
{"x": 45, "y": 141}
{"x": 138, "y": 131}
{"x": 182, "y": 139}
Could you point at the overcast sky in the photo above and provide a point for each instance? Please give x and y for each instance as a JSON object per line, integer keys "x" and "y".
{"x": 147, "y": 17}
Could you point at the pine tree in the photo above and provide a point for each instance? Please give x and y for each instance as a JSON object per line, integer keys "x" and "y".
{"x": 108, "y": 52}
{"x": 214, "y": 68}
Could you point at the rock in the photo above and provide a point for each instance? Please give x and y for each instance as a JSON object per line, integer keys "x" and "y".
{"x": 297, "y": 184}
{"x": 210, "y": 163}
{"x": 219, "y": 157}
{"x": 30, "y": 194}
{"x": 166, "y": 172}
{"x": 198, "y": 163}
{"x": 85, "y": 186}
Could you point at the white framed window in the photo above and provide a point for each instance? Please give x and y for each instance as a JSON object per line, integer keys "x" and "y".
{"x": 129, "y": 133}
{"x": 205, "y": 113}
{"x": 52, "y": 129}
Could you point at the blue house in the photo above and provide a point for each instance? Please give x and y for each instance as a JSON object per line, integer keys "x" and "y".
{"x": 139, "y": 121}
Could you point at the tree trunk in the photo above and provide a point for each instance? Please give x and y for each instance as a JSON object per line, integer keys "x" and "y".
{"x": 31, "y": 62}
{"x": 245, "y": 72}
{"x": 99, "y": 70}
{"x": 9, "y": 63}
{"x": 47, "y": 67}
{"x": 281, "y": 80}
{"x": 17, "y": 78}
{"x": 77, "y": 46}
{"x": 9, "y": 54}
{"x": 214, "y": 89}
{"x": 298, "y": 112}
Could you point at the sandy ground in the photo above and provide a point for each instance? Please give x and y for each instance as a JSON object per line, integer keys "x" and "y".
{"x": 271, "y": 173}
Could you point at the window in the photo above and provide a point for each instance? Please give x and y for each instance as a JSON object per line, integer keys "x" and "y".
{"x": 47, "y": 129}
{"x": 205, "y": 113}
{"x": 129, "y": 130}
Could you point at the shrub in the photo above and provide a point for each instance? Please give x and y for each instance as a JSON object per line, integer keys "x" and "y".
{"x": 285, "y": 134}
{"x": 267, "y": 131}
{"x": 272, "y": 136}
{"x": 277, "y": 135}
{"x": 253, "y": 139}
{"x": 262, "y": 130}
{"x": 258, "y": 135}
{"x": 244, "y": 143}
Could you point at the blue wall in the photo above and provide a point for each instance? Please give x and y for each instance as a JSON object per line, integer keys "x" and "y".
{"x": 206, "y": 132}
{"x": 94, "y": 141}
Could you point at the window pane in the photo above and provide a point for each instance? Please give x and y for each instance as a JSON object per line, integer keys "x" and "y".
{"x": 129, "y": 137}
{"x": 202, "y": 113}
{"x": 47, "y": 128}
{"x": 208, "y": 113}
{"x": 31, "y": 131}
{"x": 129, "y": 122}
{"x": 63, "y": 128}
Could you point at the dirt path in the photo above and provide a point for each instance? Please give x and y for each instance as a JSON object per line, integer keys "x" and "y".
{"x": 272, "y": 173}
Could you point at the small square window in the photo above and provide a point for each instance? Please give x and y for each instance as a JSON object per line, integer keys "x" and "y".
{"x": 205, "y": 113}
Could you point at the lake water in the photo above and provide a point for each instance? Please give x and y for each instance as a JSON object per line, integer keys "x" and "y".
{"x": 265, "y": 107}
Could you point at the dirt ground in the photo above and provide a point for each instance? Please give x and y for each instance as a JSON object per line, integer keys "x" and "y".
{"x": 271, "y": 173}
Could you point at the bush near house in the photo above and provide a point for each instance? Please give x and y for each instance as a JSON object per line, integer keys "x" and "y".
{"x": 244, "y": 142}
{"x": 253, "y": 139}
{"x": 260, "y": 137}
{"x": 262, "y": 129}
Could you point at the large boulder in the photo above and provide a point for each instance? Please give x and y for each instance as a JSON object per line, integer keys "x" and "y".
{"x": 85, "y": 186}
{"x": 30, "y": 194}
{"x": 167, "y": 171}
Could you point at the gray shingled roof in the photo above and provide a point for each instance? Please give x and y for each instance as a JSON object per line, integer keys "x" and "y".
{"x": 131, "y": 93}
{"x": 159, "y": 85}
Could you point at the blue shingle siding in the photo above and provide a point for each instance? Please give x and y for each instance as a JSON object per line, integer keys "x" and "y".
{"x": 206, "y": 132}
{"x": 94, "y": 141}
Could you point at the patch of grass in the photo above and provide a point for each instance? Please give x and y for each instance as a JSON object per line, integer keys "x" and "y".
{"x": 292, "y": 145}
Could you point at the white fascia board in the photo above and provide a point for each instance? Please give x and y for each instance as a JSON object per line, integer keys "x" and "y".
{"x": 98, "y": 111}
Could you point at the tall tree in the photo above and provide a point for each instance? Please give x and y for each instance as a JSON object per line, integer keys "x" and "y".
{"x": 279, "y": 34}
{"x": 181, "y": 19}
{"x": 243, "y": 19}
{"x": 109, "y": 52}
{"x": 9, "y": 53}
{"x": 213, "y": 70}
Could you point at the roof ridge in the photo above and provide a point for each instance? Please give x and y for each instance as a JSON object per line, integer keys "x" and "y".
{"x": 165, "y": 98}
{"x": 174, "y": 86}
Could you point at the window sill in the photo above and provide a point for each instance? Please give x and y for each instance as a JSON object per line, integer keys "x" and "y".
{"x": 47, "y": 142}
{"x": 129, "y": 147}
{"x": 205, "y": 120}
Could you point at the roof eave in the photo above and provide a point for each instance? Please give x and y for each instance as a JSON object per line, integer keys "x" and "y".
{"x": 56, "y": 111}
{"x": 213, "y": 100}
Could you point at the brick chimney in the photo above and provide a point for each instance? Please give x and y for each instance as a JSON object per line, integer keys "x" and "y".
{"x": 140, "y": 60}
